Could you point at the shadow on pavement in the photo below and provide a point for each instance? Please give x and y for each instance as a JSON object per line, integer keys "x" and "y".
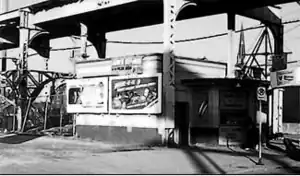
{"x": 206, "y": 165}
{"x": 202, "y": 162}
{"x": 276, "y": 147}
{"x": 274, "y": 158}
{"x": 243, "y": 154}
{"x": 17, "y": 138}
{"x": 292, "y": 151}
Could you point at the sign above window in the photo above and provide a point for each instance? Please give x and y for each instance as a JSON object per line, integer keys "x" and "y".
{"x": 127, "y": 65}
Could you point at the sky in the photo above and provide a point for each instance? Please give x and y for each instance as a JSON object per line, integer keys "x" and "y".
{"x": 214, "y": 49}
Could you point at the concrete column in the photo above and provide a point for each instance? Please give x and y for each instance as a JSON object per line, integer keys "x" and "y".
{"x": 277, "y": 110}
{"x": 280, "y": 110}
{"x": 270, "y": 114}
{"x": 230, "y": 59}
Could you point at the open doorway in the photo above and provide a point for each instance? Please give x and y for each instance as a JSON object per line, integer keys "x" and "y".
{"x": 182, "y": 122}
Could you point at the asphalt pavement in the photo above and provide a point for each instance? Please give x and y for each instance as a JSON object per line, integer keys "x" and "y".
{"x": 24, "y": 154}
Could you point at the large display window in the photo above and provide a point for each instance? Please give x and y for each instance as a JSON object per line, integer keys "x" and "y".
{"x": 233, "y": 107}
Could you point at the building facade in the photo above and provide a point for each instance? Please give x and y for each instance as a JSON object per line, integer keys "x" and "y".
{"x": 209, "y": 108}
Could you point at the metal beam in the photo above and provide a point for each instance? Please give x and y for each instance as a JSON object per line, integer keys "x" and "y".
{"x": 76, "y": 9}
{"x": 264, "y": 14}
{"x": 9, "y": 16}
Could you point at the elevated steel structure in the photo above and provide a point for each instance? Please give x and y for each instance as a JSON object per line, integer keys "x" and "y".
{"x": 34, "y": 26}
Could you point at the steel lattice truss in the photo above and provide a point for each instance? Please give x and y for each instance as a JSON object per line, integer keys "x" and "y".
{"x": 36, "y": 81}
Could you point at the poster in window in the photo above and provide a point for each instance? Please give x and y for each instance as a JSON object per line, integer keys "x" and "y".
{"x": 87, "y": 95}
{"x": 233, "y": 100}
{"x": 137, "y": 95}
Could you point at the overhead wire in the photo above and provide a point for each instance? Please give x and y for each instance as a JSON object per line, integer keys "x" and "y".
{"x": 177, "y": 41}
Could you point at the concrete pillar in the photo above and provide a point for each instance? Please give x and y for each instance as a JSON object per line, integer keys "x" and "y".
{"x": 280, "y": 110}
{"x": 230, "y": 59}
{"x": 277, "y": 110}
{"x": 270, "y": 114}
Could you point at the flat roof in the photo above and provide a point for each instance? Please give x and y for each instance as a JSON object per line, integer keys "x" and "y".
{"x": 155, "y": 54}
{"x": 224, "y": 81}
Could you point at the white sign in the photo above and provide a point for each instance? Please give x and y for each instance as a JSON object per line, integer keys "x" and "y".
{"x": 261, "y": 94}
{"x": 284, "y": 78}
{"x": 139, "y": 94}
{"x": 87, "y": 95}
{"x": 127, "y": 65}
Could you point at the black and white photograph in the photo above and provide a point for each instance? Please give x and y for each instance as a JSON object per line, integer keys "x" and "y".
{"x": 149, "y": 87}
{"x": 140, "y": 94}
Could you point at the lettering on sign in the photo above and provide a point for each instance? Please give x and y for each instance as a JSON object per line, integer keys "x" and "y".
{"x": 127, "y": 65}
{"x": 138, "y": 94}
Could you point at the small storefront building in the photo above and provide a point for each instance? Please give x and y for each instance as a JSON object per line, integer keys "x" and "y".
{"x": 230, "y": 104}
{"x": 285, "y": 101}
{"x": 119, "y": 100}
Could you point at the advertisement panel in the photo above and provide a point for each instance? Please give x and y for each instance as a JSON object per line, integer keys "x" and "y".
{"x": 136, "y": 95}
{"x": 284, "y": 78}
{"x": 127, "y": 65}
{"x": 87, "y": 95}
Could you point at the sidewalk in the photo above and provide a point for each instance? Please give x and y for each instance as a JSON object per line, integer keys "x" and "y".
{"x": 44, "y": 155}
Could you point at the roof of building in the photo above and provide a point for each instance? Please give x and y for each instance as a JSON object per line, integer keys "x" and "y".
{"x": 204, "y": 60}
{"x": 225, "y": 81}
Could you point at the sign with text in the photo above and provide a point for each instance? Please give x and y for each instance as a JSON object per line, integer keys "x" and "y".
{"x": 138, "y": 94}
{"x": 288, "y": 77}
{"x": 233, "y": 100}
{"x": 279, "y": 62}
{"x": 87, "y": 95}
{"x": 127, "y": 65}
{"x": 261, "y": 94}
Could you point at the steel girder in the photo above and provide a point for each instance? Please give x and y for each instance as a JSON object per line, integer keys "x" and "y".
{"x": 36, "y": 81}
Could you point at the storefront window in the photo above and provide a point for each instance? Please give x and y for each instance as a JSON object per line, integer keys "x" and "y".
{"x": 233, "y": 107}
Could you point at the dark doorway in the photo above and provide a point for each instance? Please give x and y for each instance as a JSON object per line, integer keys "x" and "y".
{"x": 182, "y": 122}
{"x": 291, "y": 104}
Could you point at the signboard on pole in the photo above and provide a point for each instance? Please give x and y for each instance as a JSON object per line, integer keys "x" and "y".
{"x": 261, "y": 94}
{"x": 138, "y": 94}
{"x": 284, "y": 78}
{"x": 279, "y": 62}
{"x": 87, "y": 95}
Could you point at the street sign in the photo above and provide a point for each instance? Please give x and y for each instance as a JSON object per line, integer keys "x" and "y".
{"x": 261, "y": 94}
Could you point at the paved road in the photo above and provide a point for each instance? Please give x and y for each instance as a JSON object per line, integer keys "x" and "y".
{"x": 44, "y": 155}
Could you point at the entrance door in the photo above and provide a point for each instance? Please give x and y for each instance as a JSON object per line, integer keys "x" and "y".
{"x": 182, "y": 122}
